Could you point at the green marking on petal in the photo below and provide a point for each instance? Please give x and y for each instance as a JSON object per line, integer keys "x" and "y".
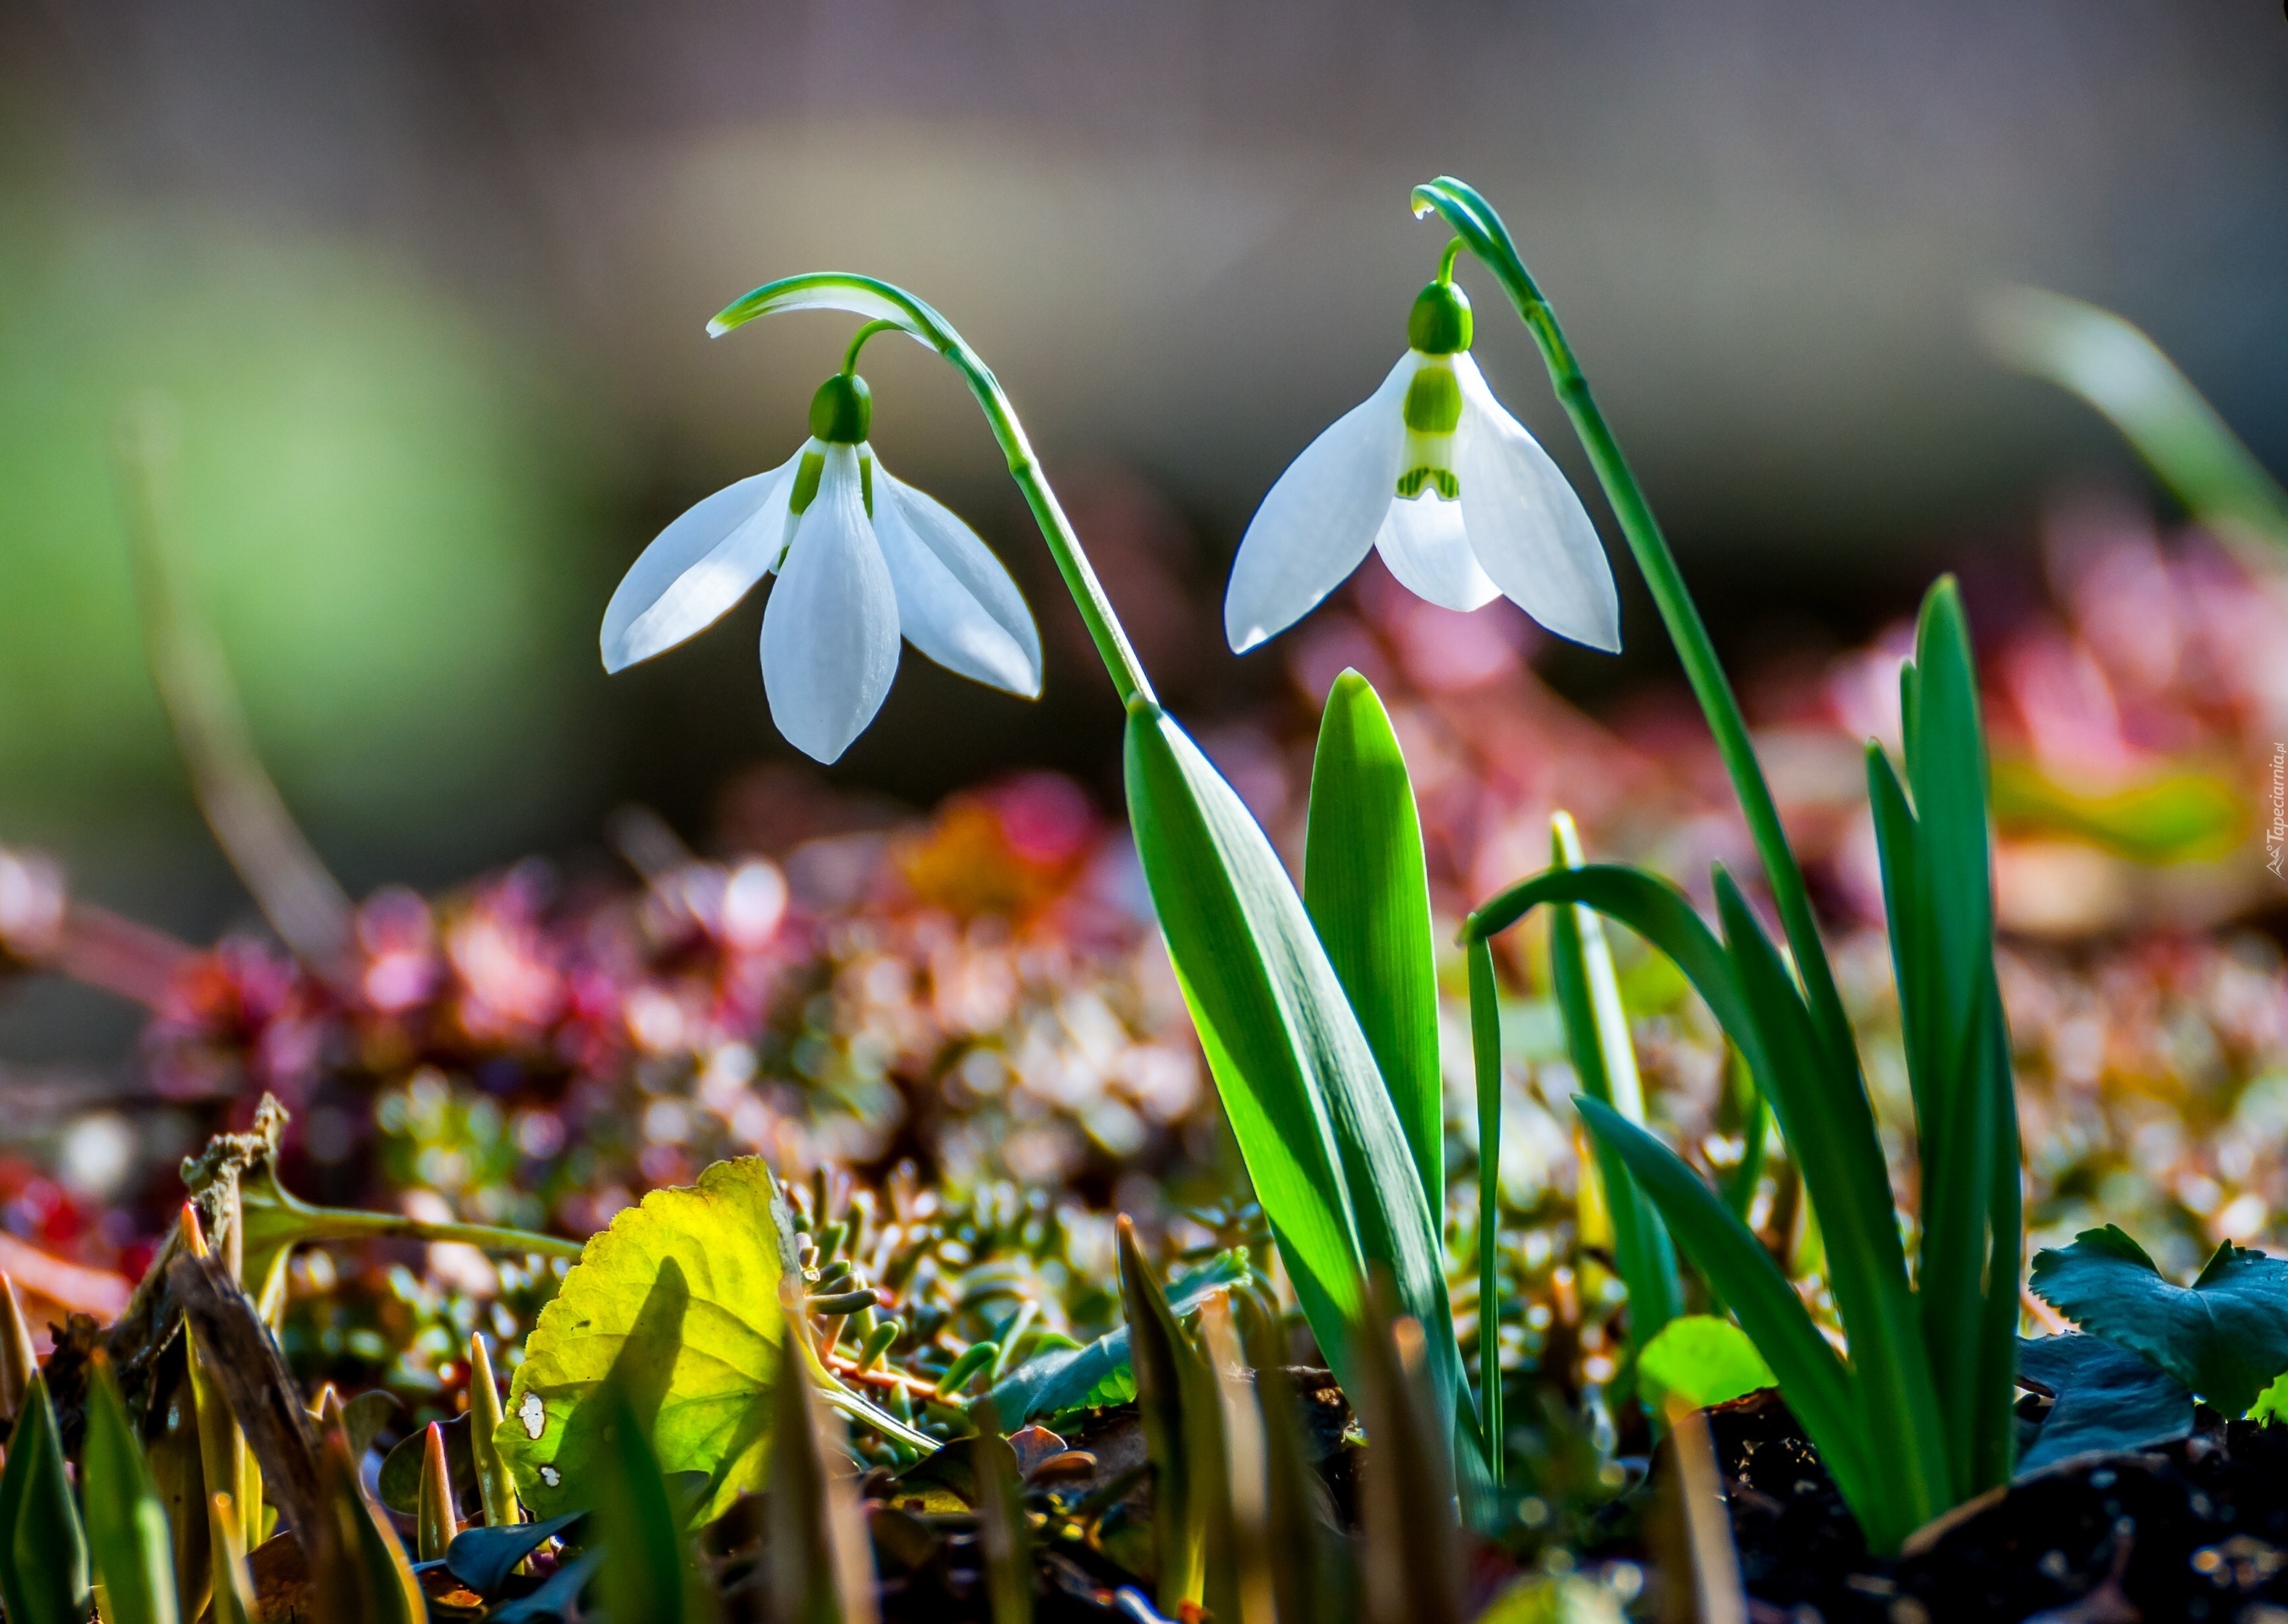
{"x": 1433, "y": 400}
{"x": 1442, "y": 480}
{"x": 866, "y": 483}
{"x": 806, "y": 482}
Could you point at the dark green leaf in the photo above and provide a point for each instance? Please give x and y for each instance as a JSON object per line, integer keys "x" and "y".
{"x": 1368, "y": 890}
{"x": 559, "y": 1598}
{"x": 482, "y": 1559}
{"x": 1066, "y": 1377}
{"x": 1485, "y": 1056}
{"x": 2225, "y": 1336}
{"x": 1002, "y": 1533}
{"x": 43, "y": 1569}
{"x": 127, "y": 1537}
{"x": 1323, "y": 1144}
{"x": 2106, "y": 1399}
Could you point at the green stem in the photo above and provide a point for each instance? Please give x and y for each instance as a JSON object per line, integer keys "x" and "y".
{"x": 889, "y": 305}
{"x": 1485, "y": 1051}
{"x": 858, "y": 342}
{"x": 1475, "y": 220}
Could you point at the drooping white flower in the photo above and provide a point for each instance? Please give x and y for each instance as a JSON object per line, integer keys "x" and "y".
{"x": 1462, "y": 502}
{"x": 862, "y": 559}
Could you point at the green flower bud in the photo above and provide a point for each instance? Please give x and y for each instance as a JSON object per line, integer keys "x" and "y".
{"x": 842, "y": 411}
{"x": 1438, "y": 325}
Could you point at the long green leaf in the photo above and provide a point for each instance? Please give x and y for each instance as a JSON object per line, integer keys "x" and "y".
{"x": 2112, "y": 365}
{"x": 127, "y": 1537}
{"x": 1817, "y": 1385}
{"x": 1829, "y": 1126}
{"x": 643, "y": 1577}
{"x": 1485, "y": 1054}
{"x": 1367, "y": 887}
{"x": 44, "y": 1578}
{"x": 1605, "y": 1058}
{"x": 1330, "y": 1161}
{"x": 1938, "y": 893}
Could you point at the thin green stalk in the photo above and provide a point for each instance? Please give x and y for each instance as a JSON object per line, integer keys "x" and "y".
{"x": 1485, "y": 1051}
{"x": 1475, "y": 222}
{"x": 895, "y": 308}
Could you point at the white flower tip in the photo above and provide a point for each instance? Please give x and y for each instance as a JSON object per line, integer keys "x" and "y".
{"x": 716, "y": 327}
{"x": 1243, "y": 639}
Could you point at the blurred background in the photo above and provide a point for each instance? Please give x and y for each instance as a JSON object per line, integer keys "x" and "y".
{"x": 422, "y": 284}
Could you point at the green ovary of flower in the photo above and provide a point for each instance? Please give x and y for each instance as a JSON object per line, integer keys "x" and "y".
{"x": 1439, "y": 324}
{"x": 1432, "y": 412}
{"x": 842, "y": 411}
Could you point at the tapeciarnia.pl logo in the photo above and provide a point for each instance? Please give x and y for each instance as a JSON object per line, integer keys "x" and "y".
{"x": 2276, "y": 832}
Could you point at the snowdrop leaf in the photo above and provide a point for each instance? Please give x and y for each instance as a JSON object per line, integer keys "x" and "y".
{"x": 679, "y": 1299}
{"x": 1367, "y": 887}
{"x": 2105, "y": 1399}
{"x": 1605, "y": 1058}
{"x": 1702, "y": 1360}
{"x": 2225, "y": 1336}
{"x": 1330, "y": 1161}
{"x": 1817, "y": 1384}
{"x": 1071, "y": 1377}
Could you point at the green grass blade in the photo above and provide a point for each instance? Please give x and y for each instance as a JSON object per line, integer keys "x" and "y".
{"x": 1368, "y": 890}
{"x": 128, "y": 1540}
{"x": 43, "y": 1571}
{"x": 1328, "y": 1156}
{"x": 1830, "y": 1127}
{"x": 1817, "y": 1385}
{"x": 1605, "y": 1058}
{"x": 1485, "y": 1053}
{"x": 1168, "y": 1386}
{"x": 642, "y": 1579}
{"x": 2112, "y": 365}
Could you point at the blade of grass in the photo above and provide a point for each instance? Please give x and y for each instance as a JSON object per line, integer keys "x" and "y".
{"x": 1605, "y": 1058}
{"x": 127, "y": 1543}
{"x": 43, "y": 1568}
{"x": 2111, "y": 364}
{"x": 1001, "y": 1527}
{"x": 234, "y": 1586}
{"x": 1167, "y": 1388}
{"x": 1323, "y": 1144}
{"x": 1367, "y": 887}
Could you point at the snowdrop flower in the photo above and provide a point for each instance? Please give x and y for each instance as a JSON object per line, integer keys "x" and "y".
{"x": 862, "y": 558}
{"x": 1461, "y": 501}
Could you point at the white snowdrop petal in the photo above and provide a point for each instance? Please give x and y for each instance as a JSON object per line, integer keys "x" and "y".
{"x": 1526, "y": 525}
{"x": 1318, "y": 521}
{"x": 956, "y": 602}
{"x": 1423, "y": 541}
{"x": 698, "y": 567}
{"x": 831, "y": 628}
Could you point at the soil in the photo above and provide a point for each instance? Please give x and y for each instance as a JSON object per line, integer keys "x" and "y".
{"x": 2194, "y": 1530}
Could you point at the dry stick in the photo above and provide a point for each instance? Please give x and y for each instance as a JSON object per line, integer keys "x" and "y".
{"x": 304, "y": 903}
{"x": 247, "y": 1368}
{"x": 1708, "y": 1530}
